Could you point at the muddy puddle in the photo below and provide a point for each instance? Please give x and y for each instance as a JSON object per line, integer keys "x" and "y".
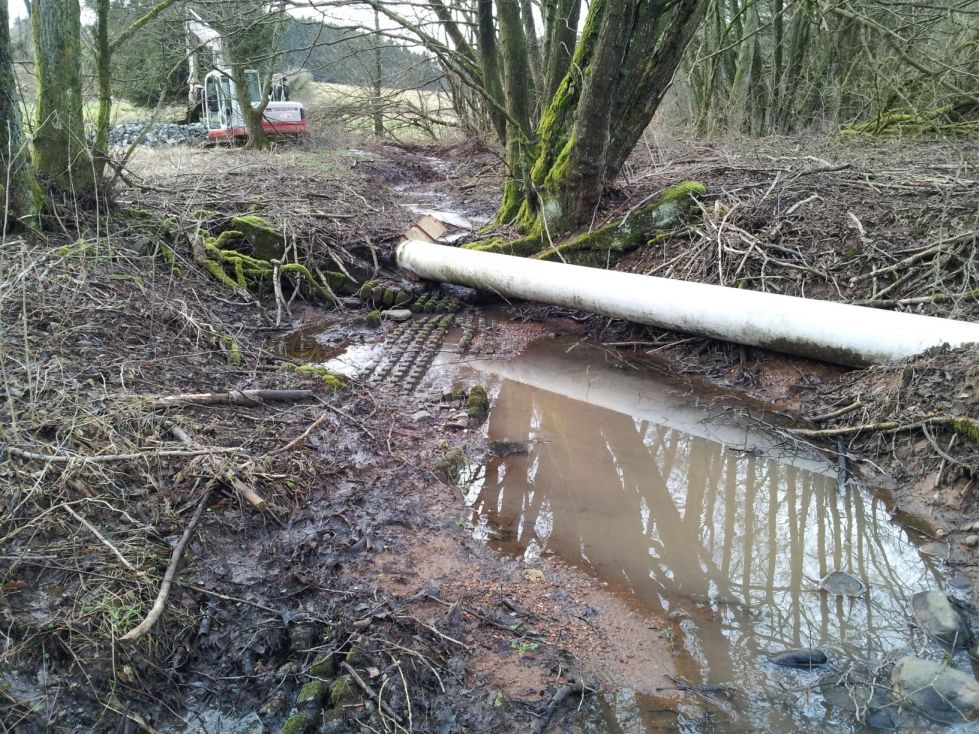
{"x": 687, "y": 512}
{"x": 682, "y": 505}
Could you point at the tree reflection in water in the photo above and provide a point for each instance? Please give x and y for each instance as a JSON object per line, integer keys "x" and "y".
{"x": 735, "y": 541}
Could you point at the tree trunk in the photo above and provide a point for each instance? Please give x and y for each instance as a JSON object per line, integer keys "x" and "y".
{"x": 251, "y": 116}
{"x": 623, "y": 65}
{"x": 376, "y": 111}
{"x": 60, "y": 156}
{"x": 16, "y": 185}
{"x": 517, "y": 93}
{"x": 561, "y": 27}
{"x": 103, "y": 74}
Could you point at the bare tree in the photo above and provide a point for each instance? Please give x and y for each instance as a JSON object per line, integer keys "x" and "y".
{"x": 568, "y": 129}
{"x": 17, "y": 182}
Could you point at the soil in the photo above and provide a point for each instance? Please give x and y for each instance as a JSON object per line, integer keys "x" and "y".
{"x": 361, "y": 557}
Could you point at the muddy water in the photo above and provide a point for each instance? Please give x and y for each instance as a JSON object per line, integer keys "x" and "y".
{"x": 685, "y": 511}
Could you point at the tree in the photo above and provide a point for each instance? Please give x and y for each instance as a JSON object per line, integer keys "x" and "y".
{"x": 16, "y": 185}
{"x": 59, "y": 151}
{"x": 568, "y": 128}
{"x": 104, "y": 51}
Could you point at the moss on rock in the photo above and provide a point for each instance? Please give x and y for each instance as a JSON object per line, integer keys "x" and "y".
{"x": 329, "y": 378}
{"x": 266, "y": 241}
{"x": 477, "y": 404}
{"x": 314, "y": 692}
{"x": 342, "y": 691}
{"x": 323, "y": 667}
{"x": 296, "y": 724}
{"x": 449, "y": 465}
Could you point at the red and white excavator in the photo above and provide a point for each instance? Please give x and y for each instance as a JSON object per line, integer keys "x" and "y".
{"x": 218, "y": 97}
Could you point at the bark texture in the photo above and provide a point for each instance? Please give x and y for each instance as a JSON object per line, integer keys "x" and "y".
{"x": 16, "y": 184}
{"x": 59, "y": 152}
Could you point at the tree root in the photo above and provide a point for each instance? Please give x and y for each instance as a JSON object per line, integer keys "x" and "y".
{"x": 602, "y": 247}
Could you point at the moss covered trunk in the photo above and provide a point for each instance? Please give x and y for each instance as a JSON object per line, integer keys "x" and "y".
{"x": 16, "y": 184}
{"x": 59, "y": 152}
{"x": 623, "y": 64}
{"x": 517, "y": 92}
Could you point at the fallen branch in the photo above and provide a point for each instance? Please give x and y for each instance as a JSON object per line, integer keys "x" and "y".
{"x": 107, "y": 458}
{"x": 234, "y": 397}
{"x": 822, "y": 418}
{"x": 161, "y": 598}
{"x": 569, "y": 688}
{"x": 962, "y": 425}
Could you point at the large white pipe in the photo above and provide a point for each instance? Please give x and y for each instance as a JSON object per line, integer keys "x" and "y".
{"x": 832, "y": 332}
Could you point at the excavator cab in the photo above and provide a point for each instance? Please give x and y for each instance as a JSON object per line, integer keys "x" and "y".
{"x": 223, "y": 114}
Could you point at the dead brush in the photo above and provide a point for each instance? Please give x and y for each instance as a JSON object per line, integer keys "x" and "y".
{"x": 94, "y": 481}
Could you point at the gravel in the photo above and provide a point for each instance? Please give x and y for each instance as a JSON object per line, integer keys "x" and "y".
{"x": 159, "y": 134}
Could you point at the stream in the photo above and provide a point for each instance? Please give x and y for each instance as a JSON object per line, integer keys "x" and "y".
{"x": 690, "y": 511}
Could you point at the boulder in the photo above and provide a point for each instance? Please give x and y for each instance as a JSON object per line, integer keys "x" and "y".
{"x": 397, "y": 314}
{"x": 939, "y": 692}
{"x": 807, "y": 658}
{"x": 938, "y": 615}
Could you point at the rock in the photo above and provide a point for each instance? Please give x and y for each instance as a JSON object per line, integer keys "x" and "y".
{"x": 302, "y": 637}
{"x": 842, "y": 584}
{"x": 938, "y": 615}
{"x": 158, "y": 134}
{"x": 502, "y": 449}
{"x": 807, "y": 659}
{"x": 421, "y": 416}
{"x": 940, "y": 693}
{"x": 296, "y": 724}
{"x": 275, "y": 704}
{"x": 397, "y": 314}
{"x": 971, "y": 540}
{"x": 312, "y": 694}
{"x": 961, "y": 581}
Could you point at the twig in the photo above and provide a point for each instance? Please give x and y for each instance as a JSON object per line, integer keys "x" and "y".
{"x": 99, "y": 535}
{"x": 161, "y": 599}
{"x": 822, "y": 418}
{"x": 371, "y": 693}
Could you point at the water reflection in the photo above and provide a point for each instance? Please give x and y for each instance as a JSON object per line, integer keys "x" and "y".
{"x": 734, "y": 542}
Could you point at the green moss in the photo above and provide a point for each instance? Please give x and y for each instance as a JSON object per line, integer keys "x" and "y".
{"x": 477, "y": 404}
{"x": 266, "y": 241}
{"x": 205, "y": 214}
{"x": 323, "y": 667}
{"x": 233, "y": 350}
{"x": 373, "y": 319}
{"x": 296, "y": 724}
{"x": 967, "y": 428}
{"x": 389, "y": 295}
{"x": 682, "y": 191}
{"x": 604, "y": 246}
{"x": 364, "y": 292}
{"x": 329, "y": 378}
{"x": 342, "y": 691}
{"x": 314, "y": 692}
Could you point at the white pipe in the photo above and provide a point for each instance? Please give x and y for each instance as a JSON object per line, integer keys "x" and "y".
{"x": 832, "y": 332}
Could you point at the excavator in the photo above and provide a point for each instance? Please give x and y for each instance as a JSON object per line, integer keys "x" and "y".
{"x": 217, "y": 96}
